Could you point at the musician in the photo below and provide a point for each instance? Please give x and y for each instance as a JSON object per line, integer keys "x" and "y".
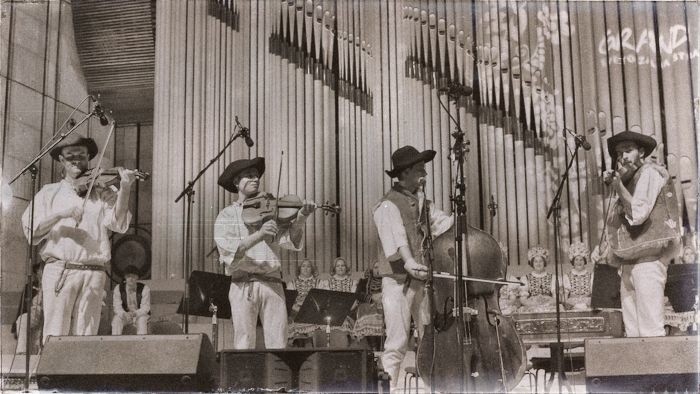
{"x": 537, "y": 294}
{"x": 638, "y": 186}
{"x": 306, "y": 279}
{"x": 578, "y": 282}
{"x": 340, "y": 279}
{"x": 401, "y": 264}
{"x": 76, "y": 240}
{"x": 252, "y": 258}
{"x": 370, "y": 312}
{"x": 131, "y": 302}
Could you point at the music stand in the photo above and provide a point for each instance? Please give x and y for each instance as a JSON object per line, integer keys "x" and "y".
{"x": 207, "y": 288}
{"x": 682, "y": 286}
{"x": 290, "y": 296}
{"x": 326, "y": 307}
{"x": 606, "y": 287}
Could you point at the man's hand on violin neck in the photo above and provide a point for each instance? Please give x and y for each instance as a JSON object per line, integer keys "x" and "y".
{"x": 308, "y": 208}
{"x": 127, "y": 177}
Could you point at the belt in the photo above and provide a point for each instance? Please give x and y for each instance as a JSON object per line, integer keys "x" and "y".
{"x": 72, "y": 266}
{"x": 246, "y": 278}
{"x": 238, "y": 277}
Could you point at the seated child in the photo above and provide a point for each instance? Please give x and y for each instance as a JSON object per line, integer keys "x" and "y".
{"x": 578, "y": 283}
{"x": 538, "y": 293}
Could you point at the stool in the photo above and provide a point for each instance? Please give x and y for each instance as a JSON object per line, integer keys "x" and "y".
{"x": 411, "y": 374}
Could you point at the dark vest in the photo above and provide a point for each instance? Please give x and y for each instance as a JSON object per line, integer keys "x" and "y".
{"x": 408, "y": 206}
{"x": 646, "y": 241}
{"x": 139, "y": 292}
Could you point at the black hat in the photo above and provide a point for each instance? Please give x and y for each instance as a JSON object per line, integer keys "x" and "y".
{"x": 75, "y": 139}
{"x": 235, "y": 168}
{"x": 407, "y": 156}
{"x": 131, "y": 270}
{"x": 644, "y": 141}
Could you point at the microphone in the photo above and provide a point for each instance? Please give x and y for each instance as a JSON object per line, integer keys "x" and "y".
{"x": 455, "y": 89}
{"x": 246, "y": 136}
{"x": 100, "y": 113}
{"x": 580, "y": 139}
{"x": 245, "y": 133}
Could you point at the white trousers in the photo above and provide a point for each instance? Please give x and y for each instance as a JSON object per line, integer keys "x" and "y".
{"x": 400, "y": 304}
{"x": 250, "y": 299}
{"x": 642, "y": 294}
{"x": 119, "y": 321}
{"x": 75, "y": 309}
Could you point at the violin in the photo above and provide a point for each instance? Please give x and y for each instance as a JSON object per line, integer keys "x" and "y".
{"x": 108, "y": 178}
{"x": 284, "y": 210}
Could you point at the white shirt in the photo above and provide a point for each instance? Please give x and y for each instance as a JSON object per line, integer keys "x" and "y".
{"x": 261, "y": 258}
{"x": 131, "y": 301}
{"x": 390, "y": 225}
{"x": 89, "y": 243}
{"x": 644, "y": 197}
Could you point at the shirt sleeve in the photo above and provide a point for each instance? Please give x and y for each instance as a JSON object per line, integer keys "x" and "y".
{"x": 145, "y": 302}
{"x": 392, "y": 233}
{"x": 644, "y": 198}
{"x": 40, "y": 213}
{"x": 285, "y": 241}
{"x": 324, "y": 284}
{"x": 525, "y": 288}
{"x": 567, "y": 283}
{"x": 228, "y": 235}
{"x": 440, "y": 221}
{"x": 117, "y": 301}
{"x": 113, "y": 223}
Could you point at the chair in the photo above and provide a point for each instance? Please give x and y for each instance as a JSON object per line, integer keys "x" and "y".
{"x": 411, "y": 375}
{"x": 572, "y": 363}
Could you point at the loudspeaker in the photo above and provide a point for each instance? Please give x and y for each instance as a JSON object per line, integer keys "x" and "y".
{"x": 128, "y": 363}
{"x": 305, "y": 369}
{"x": 642, "y": 364}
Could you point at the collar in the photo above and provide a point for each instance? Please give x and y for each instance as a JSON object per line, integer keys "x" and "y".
{"x": 400, "y": 189}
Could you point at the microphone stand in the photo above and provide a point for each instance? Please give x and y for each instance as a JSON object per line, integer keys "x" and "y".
{"x": 459, "y": 150}
{"x": 557, "y": 349}
{"x": 189, "y": 192}
{"x": 32, "y": 169}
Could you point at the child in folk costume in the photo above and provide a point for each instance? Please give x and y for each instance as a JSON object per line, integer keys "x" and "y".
{"x": 538, "y": 293}
{"x": 578, "y": 283}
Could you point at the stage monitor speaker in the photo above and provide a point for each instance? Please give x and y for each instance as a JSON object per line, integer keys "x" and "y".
{"x": 648, "y": 364}
{"x": 128, "y": 363}
{"x": 304, "y": 369}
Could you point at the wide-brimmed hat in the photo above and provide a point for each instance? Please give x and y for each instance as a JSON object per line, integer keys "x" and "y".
{"x": 75, "y": 139}
{"x": 644, "y": 141}
{"x": 407, "y": 156}
{"x": 131, "y": 270}
{"x": 227, "y": 177}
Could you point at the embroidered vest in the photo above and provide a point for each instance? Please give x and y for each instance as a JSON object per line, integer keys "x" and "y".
{"x": 580, "y": 285}
{"x": 139, "y": 291}
{"x": 647, "y": 241}
{"x": 408, "y": 206}
{"x": 539, "y": 285}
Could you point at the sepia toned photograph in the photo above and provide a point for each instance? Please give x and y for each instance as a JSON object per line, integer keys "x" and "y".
{"x": 372, "y": 196}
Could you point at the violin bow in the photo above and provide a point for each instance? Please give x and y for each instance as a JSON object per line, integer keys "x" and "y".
{"x": 95, "y": 172}
{"x": 279, "y": 181}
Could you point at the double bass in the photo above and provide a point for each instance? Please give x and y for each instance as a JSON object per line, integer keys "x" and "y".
{"x": 492, "y": 354}
{"x": 468, "y": 345}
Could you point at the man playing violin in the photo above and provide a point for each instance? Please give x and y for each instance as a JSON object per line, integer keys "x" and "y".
{"x": 252, "y": 258}
{"x": 75, "y": 235}
{"x": 640, "y": 208}
{"x": 402, "y": 266}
